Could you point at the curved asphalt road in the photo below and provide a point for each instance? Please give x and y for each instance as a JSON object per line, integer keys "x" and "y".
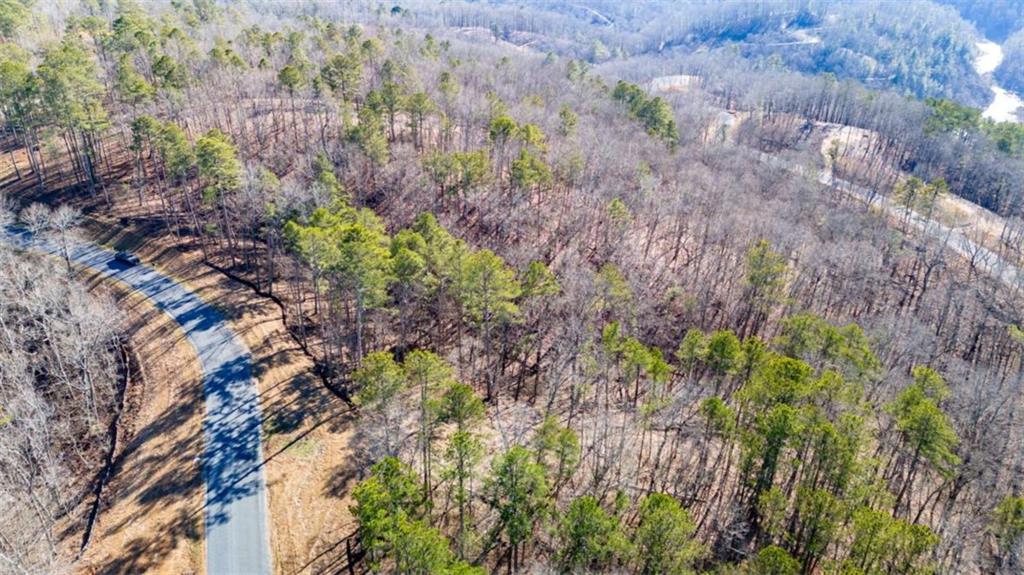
{"x": 237, "y": 538}
{"x": 977, "y": 255}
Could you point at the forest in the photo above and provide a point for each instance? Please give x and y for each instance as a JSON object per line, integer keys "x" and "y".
{"x": 585, "y": 326}
{"x": 998, "y": 19}
{"x": 919, "y": 48}
{"x": 1011, "y": 71}
{"x": 60, "y": 366}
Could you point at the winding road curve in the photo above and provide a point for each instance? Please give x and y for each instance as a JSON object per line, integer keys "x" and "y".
{"x": 237, "y": 536}
{"x": 977, "y": 255}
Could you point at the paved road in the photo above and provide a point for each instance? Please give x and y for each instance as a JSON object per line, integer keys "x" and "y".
{"x": 982, "y": 258}
{"x": 237, "y": 538}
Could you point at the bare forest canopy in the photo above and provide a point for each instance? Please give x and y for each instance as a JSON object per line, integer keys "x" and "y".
{"x": 916, "y": 47}
{"x": 1011, "y": 71}
{"x": 60, "y": 370}
{"x": 996, "y": 19}
{"x": 587, "y": 326}
{"x": 850, "y": 63}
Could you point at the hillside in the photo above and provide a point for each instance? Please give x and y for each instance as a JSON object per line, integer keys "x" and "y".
{"x": 919, "y": 48}
{"x": 542, "y": 287}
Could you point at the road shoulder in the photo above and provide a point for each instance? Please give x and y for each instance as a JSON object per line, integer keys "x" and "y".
{"x": 150, "y": 518}
{"x": 307, "y": 431}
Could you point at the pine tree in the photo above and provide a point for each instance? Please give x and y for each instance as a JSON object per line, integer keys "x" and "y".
{"x": 487, "y": 292}
{"x": 428, "y": 374}
{"x": 379, "y": 381}
{"x": 591, "y": 538}
{"x": 517, "y": 491}
{"x": 461, "y": 406}
{"x": 664, "y": 537}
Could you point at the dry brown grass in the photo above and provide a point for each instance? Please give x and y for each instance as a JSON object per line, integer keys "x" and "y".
{"x": 150, "y": 520}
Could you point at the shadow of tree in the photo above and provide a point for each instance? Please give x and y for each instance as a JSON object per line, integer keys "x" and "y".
{"x": 232, "y": 430}
{"x": 143, "y": 554}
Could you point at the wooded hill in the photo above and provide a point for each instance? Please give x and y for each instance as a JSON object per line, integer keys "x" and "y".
{"x": 584, "y": 334}
{"x": 919, "y": 47}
